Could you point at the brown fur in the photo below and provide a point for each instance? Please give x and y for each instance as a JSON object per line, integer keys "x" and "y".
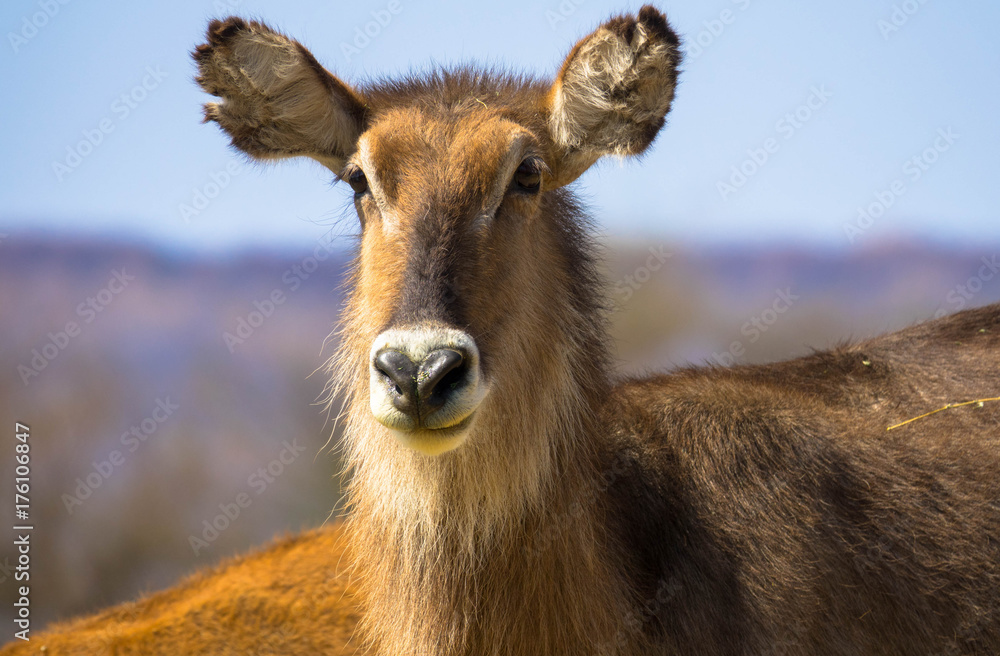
{"x": 752, "y": 510}
{"x": 295, "y": 597}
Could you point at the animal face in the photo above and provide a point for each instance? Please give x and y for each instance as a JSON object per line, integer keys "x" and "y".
{"x": 460, "y": 283}
{"x": 450, "y": 199}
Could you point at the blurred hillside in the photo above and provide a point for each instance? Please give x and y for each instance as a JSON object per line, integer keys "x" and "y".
{"x": 751, "y": 306}
{"x": 196, "y": 373}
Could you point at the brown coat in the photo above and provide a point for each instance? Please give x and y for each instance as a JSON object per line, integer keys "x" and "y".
{"x": 743, "y": 511}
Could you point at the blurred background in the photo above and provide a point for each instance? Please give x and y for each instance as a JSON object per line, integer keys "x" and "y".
{"x": 828, "y": 172}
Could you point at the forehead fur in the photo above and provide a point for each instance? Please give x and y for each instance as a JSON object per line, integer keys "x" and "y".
{"x": 448, "y": 93}
{"x": 412, "y": 152}
{"x": 452, "y": 130}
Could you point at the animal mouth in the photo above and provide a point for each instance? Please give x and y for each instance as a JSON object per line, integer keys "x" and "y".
{"x": 435, "y": 441}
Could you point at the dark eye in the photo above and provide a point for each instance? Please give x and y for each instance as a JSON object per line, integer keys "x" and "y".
{"x": 528, "y": 177}
{"x": 358, "y": 182}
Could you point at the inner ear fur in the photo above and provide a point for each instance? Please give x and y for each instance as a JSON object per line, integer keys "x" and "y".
{"x": 613, "y": 92}
{"x": 277, "y": 100}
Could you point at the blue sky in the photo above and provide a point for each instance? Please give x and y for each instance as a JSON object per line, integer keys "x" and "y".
{"x": 838, "y": 97}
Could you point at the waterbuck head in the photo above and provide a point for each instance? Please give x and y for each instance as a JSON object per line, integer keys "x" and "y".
{"x": 473, "y": 300}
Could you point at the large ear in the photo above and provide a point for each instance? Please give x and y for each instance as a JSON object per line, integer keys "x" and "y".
{"x": 277, "y": 100}
{"x": 613, "y": 92}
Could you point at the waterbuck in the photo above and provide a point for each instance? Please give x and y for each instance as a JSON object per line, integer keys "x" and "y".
{"x": 509, "y": 496}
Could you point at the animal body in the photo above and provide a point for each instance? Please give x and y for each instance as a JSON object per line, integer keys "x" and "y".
{"x": 508, "y": 494}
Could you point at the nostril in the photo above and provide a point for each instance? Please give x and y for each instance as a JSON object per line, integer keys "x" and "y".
{"x": 394, "y": 364}
{"x": 453, "y": 378}
{"x": 402, "y": 372}
{"x": 441, "y": 372}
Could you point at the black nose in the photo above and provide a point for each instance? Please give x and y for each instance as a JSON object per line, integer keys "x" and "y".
{"x": 420, "y": 389}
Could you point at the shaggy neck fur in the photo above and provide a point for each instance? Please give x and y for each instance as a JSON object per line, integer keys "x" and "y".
{"x": 497, "y": 547}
